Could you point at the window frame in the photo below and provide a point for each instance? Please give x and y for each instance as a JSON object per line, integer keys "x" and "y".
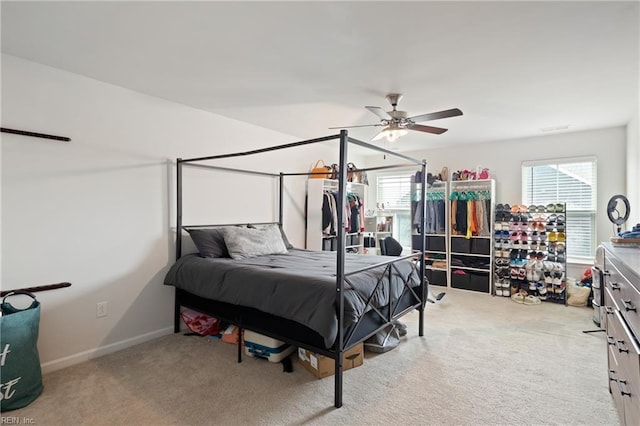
{"x": 591, "y": 213}
{"x": 408, "y": 172}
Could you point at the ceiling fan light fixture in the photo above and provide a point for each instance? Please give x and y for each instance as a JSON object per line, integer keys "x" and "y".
{"x": 392, "y": 132}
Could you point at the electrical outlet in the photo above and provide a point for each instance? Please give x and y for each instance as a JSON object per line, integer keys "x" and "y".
{"x": 101, "y": 309}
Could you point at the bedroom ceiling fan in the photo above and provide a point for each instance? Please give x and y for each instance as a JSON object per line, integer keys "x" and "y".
{"x": 396, "y": 123}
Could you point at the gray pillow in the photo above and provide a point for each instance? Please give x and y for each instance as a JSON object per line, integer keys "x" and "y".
{"x": 250, "y": 242}
{"x": 284, "y": 235}
{"x": 210, "y": 242}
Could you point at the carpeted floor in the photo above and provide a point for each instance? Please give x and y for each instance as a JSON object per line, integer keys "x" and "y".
{"x": 483, "y": 361}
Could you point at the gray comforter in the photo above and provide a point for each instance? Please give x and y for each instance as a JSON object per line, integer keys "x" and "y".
{"x": 299, "y": 286}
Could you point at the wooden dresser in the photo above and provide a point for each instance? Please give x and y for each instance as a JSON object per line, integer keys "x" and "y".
{"x": 621, "y": 275}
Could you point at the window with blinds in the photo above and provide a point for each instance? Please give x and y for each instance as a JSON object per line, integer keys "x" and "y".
{"x": 394, "y": 192}
{"x": 569, "y": 181}
{"x": 393, "y": 198}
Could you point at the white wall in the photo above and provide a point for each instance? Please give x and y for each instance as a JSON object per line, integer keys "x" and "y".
{"x": 505, "y": 158}
{"x": 99, "y": 211}
{"x": 633, "y": 169}
{"x": 633, "y": 157}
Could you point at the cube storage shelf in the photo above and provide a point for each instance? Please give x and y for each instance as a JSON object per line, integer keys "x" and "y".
{"x": 460, "y": 253}
{"x": 436, "y": 236}
{"x": 471, "y": 205}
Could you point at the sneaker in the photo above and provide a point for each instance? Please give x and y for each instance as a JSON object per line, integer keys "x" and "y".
{"x": 518, "y": 298}
{"x": 557, "y": 278}
{"x": 531, "y": 300}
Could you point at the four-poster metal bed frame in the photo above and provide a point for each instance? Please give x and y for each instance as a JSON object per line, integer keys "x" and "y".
{"x": 273, "y": 326}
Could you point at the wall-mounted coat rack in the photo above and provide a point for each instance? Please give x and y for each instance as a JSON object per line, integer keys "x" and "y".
{"x": 34, "y": 134}
{"x": 37, "y": 288}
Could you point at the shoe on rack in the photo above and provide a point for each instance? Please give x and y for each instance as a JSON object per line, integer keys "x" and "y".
{"x": 557, "y": 278}
{"x": 542, "y": 288}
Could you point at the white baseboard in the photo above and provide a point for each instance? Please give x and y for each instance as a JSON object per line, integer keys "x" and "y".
{"x": 70, "y": 360}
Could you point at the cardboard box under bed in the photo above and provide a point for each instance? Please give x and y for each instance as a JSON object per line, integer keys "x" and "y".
{"x": 322, "y": 366}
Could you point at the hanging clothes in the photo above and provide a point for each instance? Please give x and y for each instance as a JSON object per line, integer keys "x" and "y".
{"x": 480, "y": 218}
{"x": 329, "y": 213}
{"x": 431, "y": 217}
{"x": 442, "y": 216}
{"x": 472, "y": 224}
{"x": 416, "y": 208}
{"x": 361, "y": 210}
{"x": 354, "y": 213}
{"x": 460, "y": 217}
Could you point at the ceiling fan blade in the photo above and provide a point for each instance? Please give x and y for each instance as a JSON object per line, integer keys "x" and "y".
{"x": 379, "y": 112}
{"x": 427, "y": 129}
{"x": 363, "y": 125}
{"x": 436, "y": 115}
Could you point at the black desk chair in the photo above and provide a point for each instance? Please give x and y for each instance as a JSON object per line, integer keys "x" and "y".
{"x": 389, "y": 246}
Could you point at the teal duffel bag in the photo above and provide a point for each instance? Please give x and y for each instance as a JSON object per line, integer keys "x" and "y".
{"x": 20, "y": 373}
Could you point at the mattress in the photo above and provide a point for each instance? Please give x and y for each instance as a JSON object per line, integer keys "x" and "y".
{"x": 299, "y": 286}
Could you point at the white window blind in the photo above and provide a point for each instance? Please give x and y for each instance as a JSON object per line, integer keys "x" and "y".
{"x": 572, "y": 182}
{"x": 394, "y": 198}
{"x": 394, "y": 192}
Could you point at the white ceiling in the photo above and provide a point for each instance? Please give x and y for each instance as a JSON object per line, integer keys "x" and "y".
{"x": 513, "y": 68}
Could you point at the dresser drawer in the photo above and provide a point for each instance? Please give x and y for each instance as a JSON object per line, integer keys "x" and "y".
{"x": 624, "y": 348}
{"x": 616, "y": 389}
{"x": 624, "y": 295}
{"x": 625, "y": 398}
{"x": 632, "y": 405}
{"x": 624, "y": 369}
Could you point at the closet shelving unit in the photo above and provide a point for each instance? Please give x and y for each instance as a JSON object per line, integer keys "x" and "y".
{"x": 315, "y": 238}
{"x": 471, "y": 253}
{"x": 436, "y": 231}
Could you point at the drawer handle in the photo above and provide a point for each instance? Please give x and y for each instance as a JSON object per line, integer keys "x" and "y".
{"x": 615, "y": 285}
{"x": 608, "y": 310}
{"x": 606, "y": 272}
{"x": 611, "y": 341}
{"x": 621, "y": 349}
{"x": 611, "y": 378}
{"x": 628, "y": 306}
{"x": 622, "y": 392}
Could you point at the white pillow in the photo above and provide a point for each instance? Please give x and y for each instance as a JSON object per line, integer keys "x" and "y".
{"x": 250, "y": 242}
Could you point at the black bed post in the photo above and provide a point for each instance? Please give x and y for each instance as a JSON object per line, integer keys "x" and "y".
{"x": 425, "y": 284}
{"x": 281, "y": 200}
{"x": 176, "y": 305}
{"x": 342, "y": 193}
